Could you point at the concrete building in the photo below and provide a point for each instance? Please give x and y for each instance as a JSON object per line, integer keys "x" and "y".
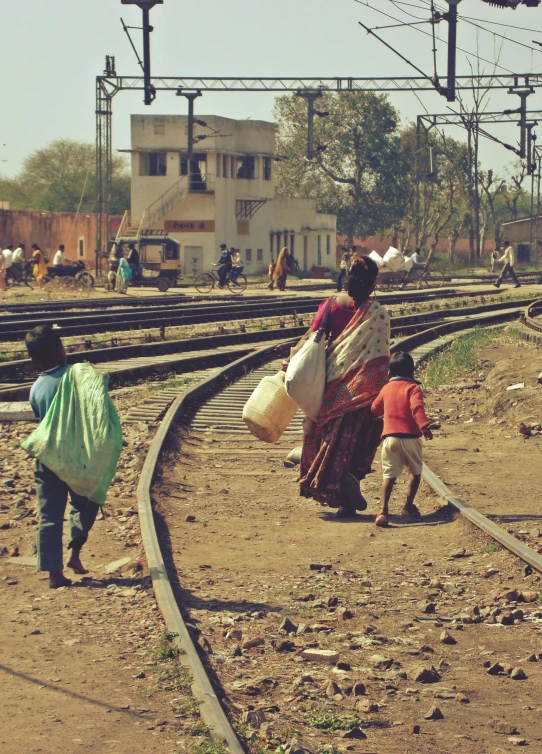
{"x": 525, "y": 235}
{"x": 230, "y": 197}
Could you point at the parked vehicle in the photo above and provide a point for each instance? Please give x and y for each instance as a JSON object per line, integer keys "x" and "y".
{"x": 76, "y": 270}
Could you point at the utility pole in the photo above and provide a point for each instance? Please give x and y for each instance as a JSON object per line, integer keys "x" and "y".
{"x": 190, "y": 96}
{"x": 522, "y": 92}
{"x": 146, "y": 5}
{"x": 451, "y": 17}
{"x": 311, "y": 97}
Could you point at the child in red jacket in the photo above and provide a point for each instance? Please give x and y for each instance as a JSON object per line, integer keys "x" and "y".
{"x": 401, "y": 404}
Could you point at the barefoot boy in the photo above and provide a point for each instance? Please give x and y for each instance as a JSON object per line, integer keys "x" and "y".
{"x": 401, "y": 404}
{"x": 47, "y": 353}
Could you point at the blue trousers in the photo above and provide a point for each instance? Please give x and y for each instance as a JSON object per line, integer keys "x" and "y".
{"x": 52, "y": 498}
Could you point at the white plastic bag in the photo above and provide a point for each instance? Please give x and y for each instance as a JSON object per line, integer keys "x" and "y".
{"x": 375, "y": 256}
{"x": 393, "y": 259}
{"x": 306, "y": 374}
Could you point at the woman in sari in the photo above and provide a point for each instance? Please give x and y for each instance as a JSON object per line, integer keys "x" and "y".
{"x": 124, "y": 275}
{"x": 39, "y": 266}
{"x": 282, "y": 268}
{"x": 339, "y": 448}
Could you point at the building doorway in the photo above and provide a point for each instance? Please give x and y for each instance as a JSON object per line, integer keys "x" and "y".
{"x": 193, "y": 260}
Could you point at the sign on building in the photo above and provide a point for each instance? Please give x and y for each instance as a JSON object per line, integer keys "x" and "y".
{"x": 189, "y": 226}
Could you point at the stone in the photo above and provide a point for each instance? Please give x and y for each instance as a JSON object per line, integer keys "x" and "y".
{"x": 116, "y": 565}
{"x": 434, "y": 713}
{"x": 517, "y": 614}
{"x": 235, "y": 651}
{"x": 355, "y": 733}
{"x": 344, "y": 613}
{"x": 326, "y": 656}
{"x": 367, "y": 707}
{"x": 413, "y": 729}
{"x": 495, "y": 669}
{"x": 500, "y": 726}
{"x": 250, "y": 643}
{"x": 462, "y": 699}
{"x": 425, "y": 675}
{"x": 288, "y": 626}
{"x": 427, "y": 607}
{"x": 518, "y": 674}
{"x": 31, "y": 562}
{"x": 359, "y": 689}
{"x": 17, "y": 411}
{"x": 516, "y": 741}
{"x": 490, "y": 572}
{"x": 510, "y": 596}
{"x": 447, "y": 638}
{"x": 529, "y": 596}
{"x": 254, "y": 718}
{"x": 190, "y": 519}
{"x": 332, "y": 690}
{"x": 506, "y": 619}
{"x": 284, "y": 646}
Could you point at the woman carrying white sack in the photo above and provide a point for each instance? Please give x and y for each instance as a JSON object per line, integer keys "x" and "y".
{"x": 339, "y": 447}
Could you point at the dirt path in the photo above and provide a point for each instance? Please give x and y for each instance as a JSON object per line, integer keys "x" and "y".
{"x": 81, "y": 668}
{"x": 248, "y": 562}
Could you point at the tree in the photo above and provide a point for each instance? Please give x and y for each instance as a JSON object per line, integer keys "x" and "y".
{"x": 61, "y": 178}
{"x": 359, "y": 173}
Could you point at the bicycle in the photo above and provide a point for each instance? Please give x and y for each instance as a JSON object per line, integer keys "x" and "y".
{"x": 206, "y": 281}
{"x": 20, "y": 274}
{"x": 420, "y": 276}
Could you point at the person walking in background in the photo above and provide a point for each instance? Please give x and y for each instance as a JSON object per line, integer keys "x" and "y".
{"x": 271, "y": 272}
{"x": 224, "y": 265}
{"x": 18, "y": 260}
{"x": 401, "y": 404}
{"x": 124, "y": 275}
{"x": 339, "y": 448}
{"x": 494, "y": 258}
{"x": 508, "y": 269}
{"x": 8, "y": 256}
{"x": 133, "y": 261}
{"x": 343, "y": 271}
{"x": 282, "y": 268}
{"x": 39, "y": 270}
{"x": 2, "y": 273}
{"x": 237, "y": 265}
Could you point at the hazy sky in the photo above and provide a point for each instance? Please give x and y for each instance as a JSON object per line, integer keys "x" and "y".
{"x": 53, "y": 49}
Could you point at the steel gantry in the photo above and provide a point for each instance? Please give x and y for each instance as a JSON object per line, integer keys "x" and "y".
{"x": 110, "y": 84}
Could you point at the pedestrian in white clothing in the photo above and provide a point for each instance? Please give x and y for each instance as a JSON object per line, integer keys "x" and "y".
{"x": 8, "y": 256}
{"x": 508, "y": 259}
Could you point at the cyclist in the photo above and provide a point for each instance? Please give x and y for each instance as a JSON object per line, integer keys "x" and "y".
{"x": 416, "y": 258}
{"x": 224, "y": 265}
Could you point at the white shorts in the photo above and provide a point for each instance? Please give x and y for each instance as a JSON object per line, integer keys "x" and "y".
{"x": 398, "y": 452}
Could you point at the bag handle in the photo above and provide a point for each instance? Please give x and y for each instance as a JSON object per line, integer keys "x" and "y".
{"x": 323, "y": 325}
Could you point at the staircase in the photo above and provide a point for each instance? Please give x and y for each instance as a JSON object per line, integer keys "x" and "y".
{"x": 166, "y": 202}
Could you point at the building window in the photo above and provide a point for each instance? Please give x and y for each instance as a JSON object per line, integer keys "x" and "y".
{"x": 153, "y": 163}
{"x": 266, "y": 173}
{"x": 246, "y": 167}
{"x": 225, "y": 171}
{"x": 248, "y": 255}
{"x": 328, "y": 245}
{"x": 232, "y": 167}
{"x": 524, "y": 252}
{"x": 259, "y": 255}
{"x": 81, "y": 247}
{"x": 218, "y": 165}
{"x": 159, "y": 128}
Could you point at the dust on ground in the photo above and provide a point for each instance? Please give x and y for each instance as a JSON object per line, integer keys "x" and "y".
{"x": 427, "y": 624}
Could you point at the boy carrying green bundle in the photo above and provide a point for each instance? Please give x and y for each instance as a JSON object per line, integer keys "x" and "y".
{"x": 76, "y": 445}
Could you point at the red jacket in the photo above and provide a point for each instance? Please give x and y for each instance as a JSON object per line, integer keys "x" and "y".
{"x": 400, "y": 402}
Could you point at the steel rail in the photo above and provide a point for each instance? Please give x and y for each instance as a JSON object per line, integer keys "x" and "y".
{"x": 533, "y": 310}
{"x": 406, "y": 324}
{"x": 211, "y": 710}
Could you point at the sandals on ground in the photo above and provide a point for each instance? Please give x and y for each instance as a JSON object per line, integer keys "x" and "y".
{"x": 382, "y": 519}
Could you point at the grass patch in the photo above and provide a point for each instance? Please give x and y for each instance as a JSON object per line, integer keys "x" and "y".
{"x": 492, "y": 547}
{"x": 209, "y": 747}
{"x": 166, "y": 650}
{"x": 176, "y": 678}
{"x": 457, "y": 359}
{"x": 331, "y": 722}
{"x": 186, "y": 707}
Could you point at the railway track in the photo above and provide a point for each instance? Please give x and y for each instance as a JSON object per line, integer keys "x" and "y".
{"x": 129, "y": 364}
{"x": 534, "y": 310}
{"x": 14, "y": 326}
{"x": 207, "y": 417}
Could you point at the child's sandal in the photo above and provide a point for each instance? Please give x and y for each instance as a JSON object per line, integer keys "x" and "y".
{"x": 411, "y": 510}
{"x": 382, "y": 519}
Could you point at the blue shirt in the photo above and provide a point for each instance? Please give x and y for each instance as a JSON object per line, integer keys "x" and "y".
{"x": 225, "y": 257}
{"x": 44, "y": 390}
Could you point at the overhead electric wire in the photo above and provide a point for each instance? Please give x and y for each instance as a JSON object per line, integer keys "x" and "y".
{"x": 427, "y": 34}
